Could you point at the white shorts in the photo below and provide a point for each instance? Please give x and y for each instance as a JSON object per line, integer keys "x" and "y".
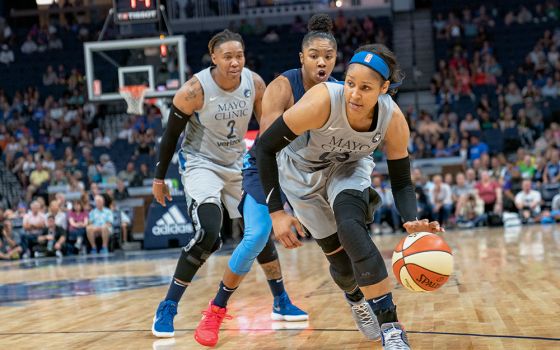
{"x": 207, "y": 182}
{"x": 312, "y": 194}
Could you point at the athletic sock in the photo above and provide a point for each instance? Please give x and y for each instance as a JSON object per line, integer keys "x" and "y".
{"x": 175, "y": 291}
{"x": 223, "y": 295}
{"x": 276, "y": 286}
{"x": 354, "y": 295}
{"x": 384, "y": 308}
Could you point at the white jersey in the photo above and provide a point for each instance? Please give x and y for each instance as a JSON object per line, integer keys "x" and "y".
{"x": 336, "y": 142}
{"x": 216, "y": 132}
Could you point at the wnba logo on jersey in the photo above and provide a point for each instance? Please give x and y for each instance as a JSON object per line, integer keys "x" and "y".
{"x": 376, "y": 138}
{"x": 247, "y": 93}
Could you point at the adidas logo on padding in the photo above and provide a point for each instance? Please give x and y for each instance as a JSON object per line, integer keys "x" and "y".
{"x": 172, "y": 223}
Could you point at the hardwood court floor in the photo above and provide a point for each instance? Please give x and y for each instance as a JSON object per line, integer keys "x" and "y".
{"x": 504, "y": 294}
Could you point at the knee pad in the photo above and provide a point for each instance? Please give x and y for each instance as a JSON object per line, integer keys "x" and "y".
{"x": 205, "y": 241}
{"x": 269, "y": 252}
{"x": 209, "y": 219}
{"x": 206, "y": 215}
{"x": 329, "y": 244}
{"x": 341, "y": 271}
{"x": 367, "y": 262}
{"x": 340, "y": 264}
{"x": 351, "y": 212}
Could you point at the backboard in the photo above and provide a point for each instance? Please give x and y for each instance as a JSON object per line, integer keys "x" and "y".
{"x": 158, "y": 63}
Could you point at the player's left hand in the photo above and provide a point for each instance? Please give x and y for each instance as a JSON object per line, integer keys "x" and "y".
{"x": 161, "y": 192}
{"x": 423, "y": 226}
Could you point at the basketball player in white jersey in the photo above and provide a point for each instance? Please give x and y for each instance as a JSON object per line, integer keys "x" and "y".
{"x": 213, "y": 109}
{"x": 326, "y": 175}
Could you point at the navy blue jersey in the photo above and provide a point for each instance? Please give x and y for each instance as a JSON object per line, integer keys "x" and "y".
{"x": 251, "y": 180}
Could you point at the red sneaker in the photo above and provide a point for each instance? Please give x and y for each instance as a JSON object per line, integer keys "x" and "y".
{"x": 206, "y": 332}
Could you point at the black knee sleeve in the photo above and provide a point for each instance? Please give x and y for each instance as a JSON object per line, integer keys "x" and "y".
{"x": 269, "y": 252}
{"x": 329, "y": 244}
{"x": 205, "y": 241}
{"x": 340, "y": 264}
{"x": 341, "y": 271}
{"x": 210, "y": 219}
{"x": 351, "y": 210}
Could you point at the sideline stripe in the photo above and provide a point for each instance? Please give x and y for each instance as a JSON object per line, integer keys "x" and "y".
{"x": 291, "y": 329}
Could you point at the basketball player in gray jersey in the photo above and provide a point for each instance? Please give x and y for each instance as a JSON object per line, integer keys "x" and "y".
{"x": 318, "y": 56}
{"x": 326, "y": 176}
{"x": 214, "y": 109}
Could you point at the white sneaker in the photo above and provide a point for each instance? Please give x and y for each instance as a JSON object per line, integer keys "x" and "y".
{"x": 365, "y": 319}
{"x": 394, "y": 337}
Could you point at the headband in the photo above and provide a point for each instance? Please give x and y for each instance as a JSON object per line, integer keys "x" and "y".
{"x": 375, "y": 62}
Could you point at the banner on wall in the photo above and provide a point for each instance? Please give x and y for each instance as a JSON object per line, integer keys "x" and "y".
{"x": 169, "y": 226}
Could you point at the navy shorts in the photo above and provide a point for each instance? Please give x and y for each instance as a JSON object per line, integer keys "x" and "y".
{"x": 252, "y": 185}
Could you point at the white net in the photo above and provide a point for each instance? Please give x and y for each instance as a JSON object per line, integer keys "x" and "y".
{"x": 134, "y": 97}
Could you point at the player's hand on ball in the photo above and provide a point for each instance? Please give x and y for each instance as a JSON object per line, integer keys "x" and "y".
{"x": 282, "y": 224}
{"x": 161, "y": 191}
{"x": 423, "y": 226}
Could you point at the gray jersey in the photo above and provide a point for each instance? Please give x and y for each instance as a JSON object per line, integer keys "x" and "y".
{"x": 315, "y": 168}
{"x": 336, "y": 142}
{"x": 216, "y": 131}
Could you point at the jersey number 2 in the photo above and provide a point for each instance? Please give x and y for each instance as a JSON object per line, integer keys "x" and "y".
{"x": 231, "y": 124}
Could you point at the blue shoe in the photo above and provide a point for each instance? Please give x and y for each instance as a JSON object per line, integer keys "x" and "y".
{"x": 93, "y": 251}
{"x": 104, "y": 251}
{"x": 284, "y": 310}
{"x": 163, "y": 319}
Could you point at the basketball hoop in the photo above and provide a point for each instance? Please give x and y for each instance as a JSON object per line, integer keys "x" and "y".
{"x": 134, "y": 97}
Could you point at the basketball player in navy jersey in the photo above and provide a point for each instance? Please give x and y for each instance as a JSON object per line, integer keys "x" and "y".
{"x": 326, "y": 175}
{"x": 213, "y": 109}
{"x": 317, "y": 56}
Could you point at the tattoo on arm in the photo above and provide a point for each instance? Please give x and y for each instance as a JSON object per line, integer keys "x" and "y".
{"x": 193, "y": 89}
{"x": 272, "y": 270}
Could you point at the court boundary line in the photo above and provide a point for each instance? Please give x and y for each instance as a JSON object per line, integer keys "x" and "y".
{"x": 522, "y": 337}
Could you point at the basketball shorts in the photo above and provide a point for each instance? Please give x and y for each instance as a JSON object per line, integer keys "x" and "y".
{"x": 207, "y": 182}
{"x": 312, "y": 194}
{"x": 252, "y": 186}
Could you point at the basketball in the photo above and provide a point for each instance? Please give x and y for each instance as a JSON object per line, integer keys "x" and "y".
{"x": 422, "y": 262}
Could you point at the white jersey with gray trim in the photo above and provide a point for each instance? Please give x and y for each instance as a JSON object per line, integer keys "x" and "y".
{"x": 216, "y": 131}
{"x": 336, "y": 141}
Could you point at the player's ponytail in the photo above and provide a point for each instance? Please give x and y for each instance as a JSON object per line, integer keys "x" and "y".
{"x": 320, "y": 26}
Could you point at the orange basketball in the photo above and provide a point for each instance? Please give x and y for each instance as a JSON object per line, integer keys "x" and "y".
{"x": 422, "y": 262}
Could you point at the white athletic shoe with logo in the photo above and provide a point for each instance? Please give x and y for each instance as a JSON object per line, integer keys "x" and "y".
{"x": 365, "y": 319}
{"x": 394, "y": 337}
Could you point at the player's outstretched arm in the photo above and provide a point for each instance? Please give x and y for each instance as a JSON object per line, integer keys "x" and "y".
{"x": 187, "y": 100}
{"x": 398, "y": 162}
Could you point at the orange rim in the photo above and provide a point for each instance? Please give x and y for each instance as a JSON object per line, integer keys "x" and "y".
{"x": 136, "y": 91}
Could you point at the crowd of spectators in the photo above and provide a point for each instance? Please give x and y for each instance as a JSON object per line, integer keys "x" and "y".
{"x": 63, "y": 227}
{"x": 475, "y": 96}
{"x": 60, "y": 143}
{"x": 40, "y": 38}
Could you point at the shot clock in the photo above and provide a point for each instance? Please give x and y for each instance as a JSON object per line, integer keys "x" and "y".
{"x": 136, "y": 11}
